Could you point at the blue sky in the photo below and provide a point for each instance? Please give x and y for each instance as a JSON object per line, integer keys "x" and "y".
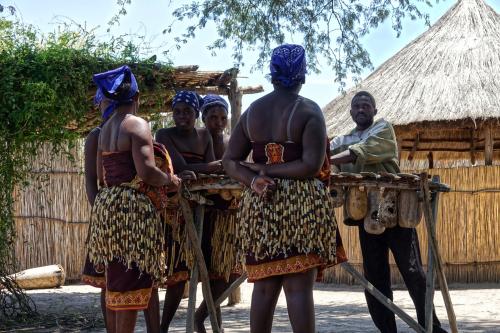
{"x": 150, "y": 17}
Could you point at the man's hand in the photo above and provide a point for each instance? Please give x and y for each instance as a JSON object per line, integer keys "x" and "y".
{"x": 263, "y": 186}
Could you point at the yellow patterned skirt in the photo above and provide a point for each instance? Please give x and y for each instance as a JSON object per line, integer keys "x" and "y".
{"x": 126, "y": 236}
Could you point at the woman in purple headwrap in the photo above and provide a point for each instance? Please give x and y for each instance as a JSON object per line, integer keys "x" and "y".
{"x": 192, "y": 151}
{"x": 125, "y": 232}
{"x": 287, "y": 227}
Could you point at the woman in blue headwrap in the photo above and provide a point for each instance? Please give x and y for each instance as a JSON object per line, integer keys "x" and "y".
{"x": 191, "y": 150}
{"x": 214, "y": 113}
{"x": 287, "y": 227}
{"x": 126, "y": 234}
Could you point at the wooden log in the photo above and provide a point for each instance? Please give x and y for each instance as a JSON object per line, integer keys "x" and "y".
{"x": 52, "y": 276}
{"x": 382, "y": 298}
{"x": 195, "y": 244}
{"x": 429, "y": 282}
{"x": 488, "y": 145}
{"x": 435, "y": 253}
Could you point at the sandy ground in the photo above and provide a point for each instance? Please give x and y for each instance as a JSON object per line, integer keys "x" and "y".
{"x": 76, "y": 308}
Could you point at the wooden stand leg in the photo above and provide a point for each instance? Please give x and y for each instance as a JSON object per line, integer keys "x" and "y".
{"x": 193, "y": 280}
{"x": 231, "y": 288}
{"x": 429, "y": 285}
{"x": 435, "y": 253}
{"x": 202, "y": 268}
{"x": 382, "y": 298}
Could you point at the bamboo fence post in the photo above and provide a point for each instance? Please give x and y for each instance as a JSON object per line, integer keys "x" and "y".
{"x": 435, "y": 253}
{"x": 381, "y": 297}
{"x": 195, "y": 244}
{"x": 429, "y": 282}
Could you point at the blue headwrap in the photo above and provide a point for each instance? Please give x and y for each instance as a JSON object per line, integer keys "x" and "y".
{"x": 189, "y": 97}
{"x": 213, "y": 100}
{"x": 288, "y": 65}
{"x": 118, "y": 85}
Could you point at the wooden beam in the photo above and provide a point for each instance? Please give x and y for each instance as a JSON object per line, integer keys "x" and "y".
{"x": 216, "y": 90}
{"x": 496, "y": 146}
{"x": 472, "y": 147}
{"x": 185, "y": 69}
{"x": 488, "y": 145}
{"x": 430, "y": 159}
{"x": 414, "y": 148}
{"x": 251, "y": 90}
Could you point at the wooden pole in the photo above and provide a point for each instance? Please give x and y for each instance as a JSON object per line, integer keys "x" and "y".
{"x": 235, "y": 97}
{"x": 429, "y": 285}
{"x": 488, "y": 145}
{"x": 435, "y": 253}
{"x": 472, "y": 147}
{"x": 381, "y": 297}
{"x": 195, "y": 245}
{"x": 193, "y": 281}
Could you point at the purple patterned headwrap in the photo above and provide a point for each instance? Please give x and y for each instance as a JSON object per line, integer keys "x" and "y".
{"x": 213, "y": 100}
{"x": 189, "y": 97}
{"x": 110, "y": 85}
{"x": 288, "y": 65}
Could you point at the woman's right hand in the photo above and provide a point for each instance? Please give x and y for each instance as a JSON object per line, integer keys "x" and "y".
{"x": 263, "y": 185}
{"x": 175, "y": 183}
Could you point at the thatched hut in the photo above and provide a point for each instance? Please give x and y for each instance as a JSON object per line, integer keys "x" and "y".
{"x": 52, "y": 214}
{"x": 442, "y": 94}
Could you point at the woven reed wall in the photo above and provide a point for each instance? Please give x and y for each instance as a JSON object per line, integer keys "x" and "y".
{"x": 468, "y": 230}
{"x": 52, "y": 214}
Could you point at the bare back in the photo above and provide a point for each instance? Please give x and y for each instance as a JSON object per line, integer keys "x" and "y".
{"x": 277, "y": 118}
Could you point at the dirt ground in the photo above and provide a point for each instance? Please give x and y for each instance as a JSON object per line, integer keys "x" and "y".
{"x": 75, "y": 308}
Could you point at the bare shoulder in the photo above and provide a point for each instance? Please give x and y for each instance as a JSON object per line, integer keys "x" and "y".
{"x": 164, "y": 132}
{"x": 311, "y": 106}
{"x": 202, "y": 132}
{"x": 93, "y": 135}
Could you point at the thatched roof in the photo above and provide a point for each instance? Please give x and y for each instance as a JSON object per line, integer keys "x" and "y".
{"x": 448, "y": 74}
{"x": 166, "y": 82}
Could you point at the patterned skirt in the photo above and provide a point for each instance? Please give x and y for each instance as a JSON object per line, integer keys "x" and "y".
{"x": 293, "y": 232}
{"x": 126, "y": 236}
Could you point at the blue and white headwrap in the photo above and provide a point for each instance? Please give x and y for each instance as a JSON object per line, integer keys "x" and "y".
{"x": 213, "y": 100}
{"x": 110, "y": 86}
{"x": 288, "y": 65}
{"x": 189, "y": 97}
